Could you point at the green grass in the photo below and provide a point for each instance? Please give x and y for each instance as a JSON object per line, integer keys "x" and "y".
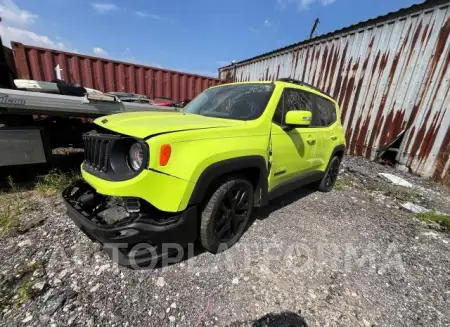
{"x": 55, "y": 181}
{"x": 394, "y": 191}
{"x": 18, "y": 288}
{"x": 10, "y": 206}
{"x": 403, "y": 193}
{"x": 441, "y": 219}
{"x": 24, "y": 292}
{"x": 342, "y": 184}
{"x": 6, "y": 295}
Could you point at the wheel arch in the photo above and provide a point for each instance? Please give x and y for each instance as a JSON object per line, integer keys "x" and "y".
{"x": 252, "y": 167}
{"x": 338, "y": 151}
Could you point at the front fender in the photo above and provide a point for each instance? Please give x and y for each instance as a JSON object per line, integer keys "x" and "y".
{"x": 227, "y": 166}
{"x": 189, "y": 159}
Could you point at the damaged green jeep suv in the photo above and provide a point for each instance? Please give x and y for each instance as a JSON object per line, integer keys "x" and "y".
{"x": 176, "y": 177}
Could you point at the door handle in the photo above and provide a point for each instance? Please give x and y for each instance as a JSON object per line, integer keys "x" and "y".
{"x": 334, "y": 138}
{"x": 311, "y": 141}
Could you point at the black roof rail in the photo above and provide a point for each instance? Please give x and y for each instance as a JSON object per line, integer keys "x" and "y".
{"x": 295, "y": 81}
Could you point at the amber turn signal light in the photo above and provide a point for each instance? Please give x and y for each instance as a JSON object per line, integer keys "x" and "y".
{"x": 164, "y": 154}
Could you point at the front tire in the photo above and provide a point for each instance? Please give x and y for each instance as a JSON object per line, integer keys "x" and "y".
{"x": 226, "y": 215}
{"x": 330, "y": 177}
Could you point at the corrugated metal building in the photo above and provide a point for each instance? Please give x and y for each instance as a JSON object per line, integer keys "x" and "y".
{"x": 107, "y": 75}
{"x": 389, "y": 74}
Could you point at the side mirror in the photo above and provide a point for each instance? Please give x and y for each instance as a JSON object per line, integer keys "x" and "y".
{"x": 298, "y": 118}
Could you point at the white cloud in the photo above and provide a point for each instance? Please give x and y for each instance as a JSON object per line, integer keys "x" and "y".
{"x": 9, "y": 34}
{"x": 100, "y": 52}
{"x": 12, "y": 14}
{"x": 12, "y": 28}
{"x": 155, "y": 16}
{"x": 272, "y": 25}
{"x": 266, "y": 25}
{"x": 143, "y": 14}
{"x": 302, "y": 4}
{"x": 103, "y": 8}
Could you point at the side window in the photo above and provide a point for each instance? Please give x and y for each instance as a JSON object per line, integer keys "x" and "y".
{"x": 297, "y": 100}
{"x": 325, "y": 112}
{"x": 292, "y": 99}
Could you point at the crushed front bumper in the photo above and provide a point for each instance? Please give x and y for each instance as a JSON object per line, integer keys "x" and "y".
{"x": 141, "y": 227}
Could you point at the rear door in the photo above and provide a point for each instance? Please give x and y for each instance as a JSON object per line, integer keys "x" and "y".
{"x": 293, "y": 149}
{"x": 324, "y": 121}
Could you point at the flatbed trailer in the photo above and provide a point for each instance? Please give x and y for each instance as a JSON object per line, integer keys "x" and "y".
{"x": 24, "y": 140}
{"x": 32, "y": 103}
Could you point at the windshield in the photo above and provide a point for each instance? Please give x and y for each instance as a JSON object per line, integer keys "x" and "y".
{"x": 238, "y": 101}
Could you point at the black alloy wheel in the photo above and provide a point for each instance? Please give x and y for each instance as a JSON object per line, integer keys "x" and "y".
{"x": 331, "y": 175}
{"x": 232, "y": 213}
{"x": 226, "y": 214}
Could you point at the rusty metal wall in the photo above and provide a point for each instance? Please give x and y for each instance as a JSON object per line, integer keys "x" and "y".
{"x": 388, "y": 74}
{"x": 107, "y": 75}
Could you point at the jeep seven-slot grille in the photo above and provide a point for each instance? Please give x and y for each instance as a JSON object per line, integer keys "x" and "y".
{"x": 96, "y": 152}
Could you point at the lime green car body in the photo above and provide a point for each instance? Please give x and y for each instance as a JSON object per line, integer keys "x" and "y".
{"x": 198, "y": 142}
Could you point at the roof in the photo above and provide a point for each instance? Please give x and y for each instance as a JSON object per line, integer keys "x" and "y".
{"x": 297, "y": 82}
{"x": 401, "y": 12}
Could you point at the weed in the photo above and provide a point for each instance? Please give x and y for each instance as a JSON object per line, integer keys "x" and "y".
{"x": 374, "y": 185}
{"x": 342, "y": 184}
{"x": 55, "y": 181}
{"x": 15, "y": 188}
{"x": 403, "y": 193}
{"x": 441, "y": 219}
{"x": 10, "y": 207}
{"x": 18, "y": 288}
{"x": 23, "y": 271}
{"x": 9, "y": 215}
{"x": 25, "y": 292}
{"x": 6, "y": 295}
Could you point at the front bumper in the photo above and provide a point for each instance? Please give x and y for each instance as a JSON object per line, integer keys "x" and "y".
{"x": 141, "y": 228}
{"x": 151, "y": 186}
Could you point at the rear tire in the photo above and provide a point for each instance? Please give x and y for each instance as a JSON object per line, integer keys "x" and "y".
{"x": 330, "y": 177}
{"x": 226, "y": 215}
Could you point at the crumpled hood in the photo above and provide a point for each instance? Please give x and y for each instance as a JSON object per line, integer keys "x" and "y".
{"x": 145, "y": 124}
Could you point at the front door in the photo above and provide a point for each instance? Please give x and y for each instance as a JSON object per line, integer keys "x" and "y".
{"x": 293, "y": 150}
{"x": 290, "y": 150}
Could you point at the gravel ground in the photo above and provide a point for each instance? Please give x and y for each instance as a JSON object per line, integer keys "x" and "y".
{"x": 346, "y": 258}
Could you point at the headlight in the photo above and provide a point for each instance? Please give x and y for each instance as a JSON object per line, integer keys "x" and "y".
{"x": 136, "y": 156}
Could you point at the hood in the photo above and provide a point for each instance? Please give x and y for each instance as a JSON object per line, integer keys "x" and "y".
{"x": 145, "y": 124}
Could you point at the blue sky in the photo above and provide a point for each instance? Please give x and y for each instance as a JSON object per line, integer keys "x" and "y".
{"x": 196, "y": 36}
